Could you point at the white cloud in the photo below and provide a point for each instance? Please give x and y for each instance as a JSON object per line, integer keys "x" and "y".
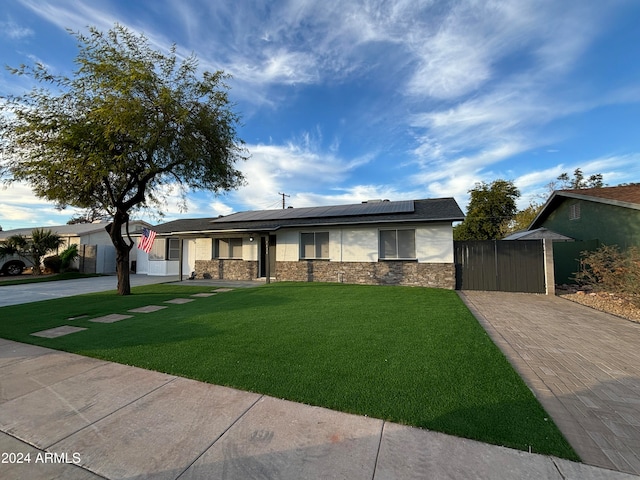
{"x": 297, "y": 166}
{"x": 14, "y": 31}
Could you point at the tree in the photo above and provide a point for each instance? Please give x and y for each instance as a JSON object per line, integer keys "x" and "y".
{"x": 90, "y": 215}
{"x": 578, "y": 181}
{"x": 491, "y": 208}
{"x": 129, "y": 122}
{"x": 32, "y": 249}
{"x": 523, "y": 218}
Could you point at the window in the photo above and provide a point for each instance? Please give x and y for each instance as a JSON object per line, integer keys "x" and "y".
{"x": 228, "y": 248}
{"x": 165, "y": 249}
{"x": 173, "y": 249}
{"x": 574, "y": 211}
{"x": 395, "y": 244}
{"x": 158, "y": 249}
{"x": 314, "y": 245}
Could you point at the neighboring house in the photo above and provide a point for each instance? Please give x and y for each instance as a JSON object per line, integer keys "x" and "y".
{"x": 608, "y": 214}
{"x": 375, "y": 242}
{"x": 97, "y": 253}
{"x": 592, "y": 217}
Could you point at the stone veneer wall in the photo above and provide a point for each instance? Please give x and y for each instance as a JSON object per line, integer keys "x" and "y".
{"x": 227, "y": 269}
{"x": 394, "y": 272}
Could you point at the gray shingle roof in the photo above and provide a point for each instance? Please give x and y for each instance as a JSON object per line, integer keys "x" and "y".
{"x": 408, "y": 211}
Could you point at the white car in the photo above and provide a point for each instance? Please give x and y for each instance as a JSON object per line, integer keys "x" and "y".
{"x": 12, "y": 265}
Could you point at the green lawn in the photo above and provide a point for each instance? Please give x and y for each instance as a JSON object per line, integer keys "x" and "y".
{"x": 410, "y": 355}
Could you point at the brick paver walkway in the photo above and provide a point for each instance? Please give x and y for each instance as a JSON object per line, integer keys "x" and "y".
{"x": 583, "y": 366}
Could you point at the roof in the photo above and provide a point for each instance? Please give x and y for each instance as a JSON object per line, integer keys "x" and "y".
{"x": 76, "y": 230}
{"x": 407, "y": 211}
{"x": 536, "y": 234}
{"x": 625, "y": 196}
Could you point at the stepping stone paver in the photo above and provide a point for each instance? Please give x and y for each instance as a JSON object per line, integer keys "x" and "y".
{"x": 179, "y": 301}
{"x": 203, "y": 295}
{"x": 148, "y": 309}
{"x": 57, "y": 332}
{"x": 223, "y": 290}
{"x": 114, "y": 317}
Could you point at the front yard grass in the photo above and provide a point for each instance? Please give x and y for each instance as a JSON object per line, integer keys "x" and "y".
{"x": 415, "y": 356}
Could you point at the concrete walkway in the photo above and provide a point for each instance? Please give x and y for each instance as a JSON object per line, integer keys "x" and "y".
{"x": 582, "y": 364}
{"x": 71, "y": 417}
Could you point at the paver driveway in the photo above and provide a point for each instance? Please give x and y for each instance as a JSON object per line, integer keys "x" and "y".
{"x": 582, "y": 364}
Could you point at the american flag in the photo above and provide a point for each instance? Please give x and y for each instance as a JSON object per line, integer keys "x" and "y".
{"x": 146, "y": 240}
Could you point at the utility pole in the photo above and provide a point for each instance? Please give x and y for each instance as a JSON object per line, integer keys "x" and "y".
{"x": 283, "y": 195}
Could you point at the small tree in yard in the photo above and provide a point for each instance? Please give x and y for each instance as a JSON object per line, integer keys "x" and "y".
{"x": 129, "y": 122}
{"x": 490, "y": 210}
{"x": 33, "y": 249}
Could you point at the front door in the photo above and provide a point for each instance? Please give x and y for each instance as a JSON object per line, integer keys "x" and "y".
{"x": 270, "y": 257}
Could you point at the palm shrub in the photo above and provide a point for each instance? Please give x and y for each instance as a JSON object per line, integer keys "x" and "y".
{"x": 34, "y": 248}
{"x": 67, "y": 256}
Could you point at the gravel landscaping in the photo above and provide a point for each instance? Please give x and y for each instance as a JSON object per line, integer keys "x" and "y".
{"x": 616, "y": 304}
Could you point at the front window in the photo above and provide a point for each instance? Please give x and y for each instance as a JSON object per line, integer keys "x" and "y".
{"x": 158, "y": 249}
{"x": 165, "y": 249}
{"x": 173, "y": 249}
{"x": 314, "y": 245}
{"x": 398, "y": 244}
{"x": 228, "y": 248}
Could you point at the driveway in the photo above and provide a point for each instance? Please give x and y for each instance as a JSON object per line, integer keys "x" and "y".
{"x": 583, "y": 366}
{"x": 35, "y": 292}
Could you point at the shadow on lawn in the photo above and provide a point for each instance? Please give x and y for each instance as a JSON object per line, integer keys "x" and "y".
{"x": 171, "y": 325}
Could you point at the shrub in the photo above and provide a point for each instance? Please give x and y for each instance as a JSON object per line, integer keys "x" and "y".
{"x": 67, "y": 256}
{"x": 52, "y": 263}
{"x": 610, "y": 269}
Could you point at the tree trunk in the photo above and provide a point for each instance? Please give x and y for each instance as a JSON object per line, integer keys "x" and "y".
{"x": 122, "y": 252}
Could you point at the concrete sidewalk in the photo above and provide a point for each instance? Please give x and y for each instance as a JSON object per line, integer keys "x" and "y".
{"x": 81, "y": 418}
{"x": 583, "y": 366}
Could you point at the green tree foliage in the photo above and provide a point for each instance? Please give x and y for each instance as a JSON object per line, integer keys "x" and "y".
{"x": 34, "y": 248}
{"x": 491, "y": 208}
{"x": 579, "y": 181}
{"x": 523, "y": 218}
{"x": 128, "y": 123}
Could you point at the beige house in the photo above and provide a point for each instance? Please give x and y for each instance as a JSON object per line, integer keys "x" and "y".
{"x": 375, "y": 242}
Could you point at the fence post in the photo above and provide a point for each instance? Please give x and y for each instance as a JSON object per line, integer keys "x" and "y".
{"x": 549, "y": 277}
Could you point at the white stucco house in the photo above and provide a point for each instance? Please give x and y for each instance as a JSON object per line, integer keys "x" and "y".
{"x": 406, "y": 242}
{"x": 97, "y": 253}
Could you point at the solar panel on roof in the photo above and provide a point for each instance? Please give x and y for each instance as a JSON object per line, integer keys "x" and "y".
{"x": 369, "y": 208}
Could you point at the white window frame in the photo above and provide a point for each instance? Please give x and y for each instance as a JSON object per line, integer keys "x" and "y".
{"x": 318, "y": 248}
{"x": 384, "y": 252}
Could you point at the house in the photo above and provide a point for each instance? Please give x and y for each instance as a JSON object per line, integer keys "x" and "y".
{"x": 608, "y": 214}
{"x": 374, "y": 242}
{"x": 592, "y": 217}
{"x": 97, "y": 253}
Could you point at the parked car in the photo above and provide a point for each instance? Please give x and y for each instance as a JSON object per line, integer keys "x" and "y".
{"x": 12, "y": 265}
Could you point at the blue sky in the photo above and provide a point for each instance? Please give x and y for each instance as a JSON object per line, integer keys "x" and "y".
{"x": 344, "y": 101}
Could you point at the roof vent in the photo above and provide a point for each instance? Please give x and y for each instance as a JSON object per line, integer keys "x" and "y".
{"x": 374, "y": 200}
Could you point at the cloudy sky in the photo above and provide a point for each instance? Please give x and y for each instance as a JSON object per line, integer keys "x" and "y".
{"x": 343, "y": 101}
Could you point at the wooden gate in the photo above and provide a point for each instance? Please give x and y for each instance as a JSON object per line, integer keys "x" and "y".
{"x": 500, "y": 265}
